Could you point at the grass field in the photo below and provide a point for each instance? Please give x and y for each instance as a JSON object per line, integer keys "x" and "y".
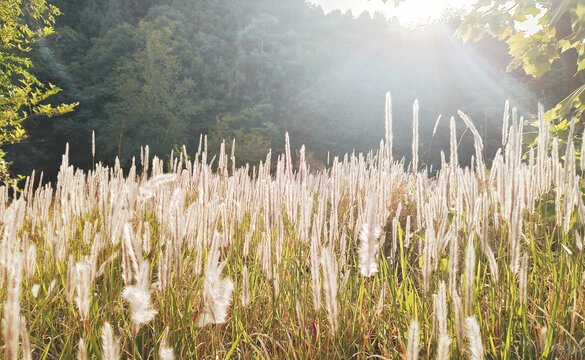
{"x": 361, "y": 260}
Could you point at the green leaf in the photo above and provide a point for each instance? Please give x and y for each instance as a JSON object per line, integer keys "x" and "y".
{"x": 534, "y": 11}
{"x": 409, "y": 300}
{"x": 580, "y": 12}
{"x": 444, "y": 264}
{"x": 565, "y": 45}
{"x": 537, "y": 69}
{"x": 567, "y": 104}
{"x": 581, "y": 65}
{"x": 530, "y": 138}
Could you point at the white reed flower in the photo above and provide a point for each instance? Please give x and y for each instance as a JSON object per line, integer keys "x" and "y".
{"x": 315, "y": 279}
{"x": 415, "y": 137}
{"x": 437, "y": 124}
{"x": 443, "y": 352}
{"x": 148, "y": 189}
{"x": 454, "y": 162}
{"x": 245, "y": 289}
{"x": 388, "y": 111}
{"x": 138, "y": 296}
{"x": 474, "y": 338}
{"x": 542, "y": 337}
{"x": 51, "y": 287}
{"x": 469, "y": 275}
{"x": 83, "y": 289}
{"x": 505, "y": 121}
{"x": 139, "y": 300}
{"x": 30, "y": 261}
{"x": 514, "y": 236}
{"x": 217, "y": 291}
{"x": 453, "y": 259}
{"x": 166, "y": 352}
{"x": 330, "y": 283}
{"x": 275, "y": 281}
{"x": 440, "y": 307}
{"x": 459, "y": 320}
{"x": 35, "y": 290}
{"x": 491, "y": 261}
{"x": 110, "y": 343}
{"x": 578, "y": 239}
{"x": 477, "y": 143}
{"x": 130, "y": 256}
{"x": 369, "y": 247}
{"x": 81, "y": 350}
{"x": 427, "y": 258}
{"x": 413, "y": 341}
{"x": 26, "y": 346}
{"x": 11, "y": 321}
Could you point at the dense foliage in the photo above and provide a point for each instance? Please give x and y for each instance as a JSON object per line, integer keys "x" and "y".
{"x": 559, "y": 43}
{"x": 164, "y": 72}
{"x": 21, "y": 94}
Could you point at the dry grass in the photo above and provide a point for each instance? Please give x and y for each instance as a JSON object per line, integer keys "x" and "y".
{"x": 268, "y": 266}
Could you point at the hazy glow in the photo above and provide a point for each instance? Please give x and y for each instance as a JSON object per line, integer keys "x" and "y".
{"x": 410, "y": 12}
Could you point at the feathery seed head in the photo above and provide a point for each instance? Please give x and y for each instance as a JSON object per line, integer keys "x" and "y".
{"x": 165, "y": 351}
{"x": 369, "y": 247}
{"x": 110, "y": 343}
{"x": 413, "y": 341}
{"x": 83, "y": 289}
{"x": 474, "y": 338}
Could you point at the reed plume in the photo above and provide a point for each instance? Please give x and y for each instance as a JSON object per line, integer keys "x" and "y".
{"x": 443, "y": 351}
{"x": 469, "y": 275}
{"x": 138, "y": 297}
{"x": 459, "y": 318}
{"x": 217, "y": 291}
{"x": 110, "y": 343}
{"x": 11, "y": 322}
{"x": 83, "y": 290}
{"x": 315, "y": 279}
{"x": 330, "y": 283}
{"x": 415, "y": 136}
{"x": 369, "y": 247}
{"x": 413, "y": 341}
{"x": 27, "y": 350}
{"x": 245, "y": 289}
{"x": 388, "y": 113}
{"x": 473, "y": 335}
{"x": 165, "y": 351}
{"x": 453, "y": 142}
{"x": 81, "y": 350}
{"x": 440, "y": 309}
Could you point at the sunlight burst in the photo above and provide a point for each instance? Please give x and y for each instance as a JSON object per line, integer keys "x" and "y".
{"x": 411, "y": 12}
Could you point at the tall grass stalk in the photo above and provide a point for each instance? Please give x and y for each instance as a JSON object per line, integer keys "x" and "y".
{"x": 281, "y": 260}
{"x": 12, "y": 321}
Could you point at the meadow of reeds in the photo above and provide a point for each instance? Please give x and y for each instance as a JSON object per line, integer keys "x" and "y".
{"x": 368, "y": 258}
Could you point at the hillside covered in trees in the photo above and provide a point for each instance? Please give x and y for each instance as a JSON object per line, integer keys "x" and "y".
{"x": 165, "y": 72}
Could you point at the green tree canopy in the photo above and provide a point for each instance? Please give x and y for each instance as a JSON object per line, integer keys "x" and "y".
{"x": 162, "y": 76}
{"x": 558, "y": 40}
{"x": 21, "y": 94}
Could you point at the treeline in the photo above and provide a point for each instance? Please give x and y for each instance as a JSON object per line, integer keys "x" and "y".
{"x": 163, "y": 72}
